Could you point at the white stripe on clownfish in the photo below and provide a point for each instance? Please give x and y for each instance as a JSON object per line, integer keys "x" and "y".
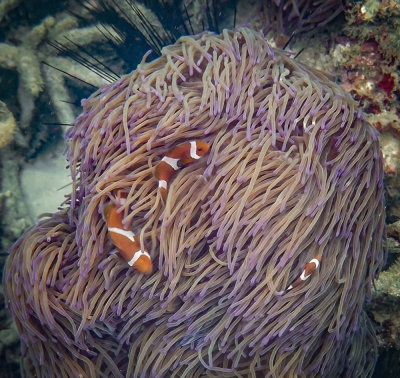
{"x": 308, "y": 270}
{"x": 129, "y": 234}
{"x": 137, "y": 255}
{"x": 162, "y": 184}
{"x": 173, "y": 163}
{"x": 179, "y": 157}
{"x": 193, "y": 148}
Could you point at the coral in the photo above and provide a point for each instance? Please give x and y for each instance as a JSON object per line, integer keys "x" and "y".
{"x": 9, "y": 342}
{"x": 6, "y": 6}
{"x": 390, "y": 146}
{"x": 392, "y": 185}
{"x": 15, "y": 217}
{"x": 62, "y": 45}
{"x": 370, "y": 62}
{"x": 293, "y": 172}
{"x": 384, "y": 309}
{"x": 393, "y": 230}
{"x": 389, "y": 281}
{"x": 29, "y": 53}
{"x": 7, "y": 125}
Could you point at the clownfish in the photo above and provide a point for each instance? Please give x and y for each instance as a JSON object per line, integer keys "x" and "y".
{"x": 125, "y": 241}
{"x": 309, "y": 269}
{"x": 181, "y": 156}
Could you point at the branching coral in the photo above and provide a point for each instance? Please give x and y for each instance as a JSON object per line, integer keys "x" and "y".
{"x": 371, "y": 60}
{"x": 6, "y": 6}
{"x": 32, "y": 56}
{"x": 7, "y": 125}
{"x": 293, "y": 172}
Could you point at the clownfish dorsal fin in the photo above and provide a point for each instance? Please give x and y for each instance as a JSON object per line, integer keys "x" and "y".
{"x": 107, "y": 210}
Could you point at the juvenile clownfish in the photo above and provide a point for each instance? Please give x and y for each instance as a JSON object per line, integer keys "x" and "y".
{"x": 181, "y": 156}
{"x": 125, "y": 241}
{"x": 309, "y": 269}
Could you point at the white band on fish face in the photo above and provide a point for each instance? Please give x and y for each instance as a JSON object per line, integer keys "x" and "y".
{"x": 173, "y": 163}
{"x": 162, "y": 184}
{"x": 128, "y": 234}
{"x": 137, "y": 255}
{"x": 193, "y": 150}
{"x": 316, "y": 262}
{"x": 303, "y": 276}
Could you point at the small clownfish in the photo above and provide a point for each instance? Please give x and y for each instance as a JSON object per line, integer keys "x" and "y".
{"x": 181, "y": 156}
{"x": 125, "y": 241}
{"x": 309, "y": 269}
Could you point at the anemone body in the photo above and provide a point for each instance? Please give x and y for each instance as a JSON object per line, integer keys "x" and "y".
{"x": 293, "y": 172}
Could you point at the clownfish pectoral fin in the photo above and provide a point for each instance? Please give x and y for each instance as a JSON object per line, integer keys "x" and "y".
{"x": 308, "y": 270}
{"x": 125, "y": 241}
{"x": 179, "y": 157}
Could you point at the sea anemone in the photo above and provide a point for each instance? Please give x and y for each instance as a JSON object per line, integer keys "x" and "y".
{"x": 293, "y": 175}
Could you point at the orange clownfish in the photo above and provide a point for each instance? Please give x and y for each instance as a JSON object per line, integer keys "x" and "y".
{"x": 125, "y": 241}
{"x": 181, "y": 156}
{"x": 309, "y": 269}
